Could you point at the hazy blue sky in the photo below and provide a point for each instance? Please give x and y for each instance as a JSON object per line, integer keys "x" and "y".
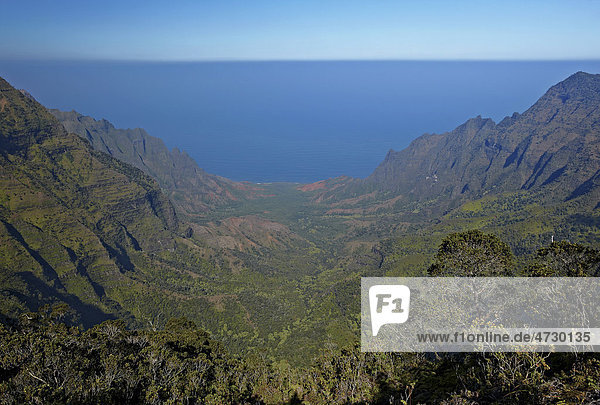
{"x": 300, "y": 29}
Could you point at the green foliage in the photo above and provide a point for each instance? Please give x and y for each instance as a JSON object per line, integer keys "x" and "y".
{"x": 79, "y": 227}
{"x": 504, "y": 377}
{"x": 44, "y": 361}
{"x": 565, "y": 259}
{"x": 472, "y": 254}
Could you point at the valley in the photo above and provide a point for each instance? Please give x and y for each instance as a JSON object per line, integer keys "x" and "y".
{"x": 119, "y": 227}
{"x": 282, "y": 261}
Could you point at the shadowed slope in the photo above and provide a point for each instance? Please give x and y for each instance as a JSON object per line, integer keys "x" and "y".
{"x": 70, "y": 218}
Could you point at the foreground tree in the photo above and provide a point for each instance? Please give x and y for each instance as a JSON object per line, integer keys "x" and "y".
{"x": 43, "y": 361}
{"x": 565, "y": 259}
{"x": 472, "y": 254}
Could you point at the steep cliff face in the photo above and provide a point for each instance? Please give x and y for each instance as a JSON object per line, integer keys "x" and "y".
{"x": 554, "y": 144}
{"x": 436, "y": 164}
{"x": 71, "y": 218}
{"x": 191, "y": 189}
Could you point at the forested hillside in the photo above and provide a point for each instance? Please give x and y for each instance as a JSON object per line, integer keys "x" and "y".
{"x": 83, "y": 228}
{"x": 104, "y": 224}
{"x": 44, "y": 360}
{"x": 73, "y": 221}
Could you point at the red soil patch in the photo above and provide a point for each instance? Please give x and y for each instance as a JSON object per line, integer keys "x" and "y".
{"x": 319, "y": 185}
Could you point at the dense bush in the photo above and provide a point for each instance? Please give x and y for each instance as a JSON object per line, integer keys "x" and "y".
{"x": 43, "y": 360}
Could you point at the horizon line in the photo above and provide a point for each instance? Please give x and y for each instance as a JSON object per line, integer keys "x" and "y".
{"x": 284, "y": 60}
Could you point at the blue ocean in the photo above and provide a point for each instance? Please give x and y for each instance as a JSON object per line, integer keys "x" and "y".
{"x": 289, "y": 121}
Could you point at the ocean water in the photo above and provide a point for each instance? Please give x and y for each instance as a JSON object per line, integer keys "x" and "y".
{"x": 289, "y": 121}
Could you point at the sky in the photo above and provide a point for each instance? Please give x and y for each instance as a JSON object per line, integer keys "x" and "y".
{"x": 202, "y": 30}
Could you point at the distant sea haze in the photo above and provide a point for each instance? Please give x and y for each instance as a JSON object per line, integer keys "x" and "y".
{"x": 290, "y": 121}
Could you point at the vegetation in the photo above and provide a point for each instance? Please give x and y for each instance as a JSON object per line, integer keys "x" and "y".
{"x": 472, "y": 254}
{"x": 243, "y": 294}
{"x": 44, "y": 360}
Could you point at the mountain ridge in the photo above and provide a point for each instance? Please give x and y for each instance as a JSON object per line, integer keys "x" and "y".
{"x": 291, "y": 259}
{"x": 556, "y": 140}
{"x": 190, "y": 188}
{"x": 72, "y": 219}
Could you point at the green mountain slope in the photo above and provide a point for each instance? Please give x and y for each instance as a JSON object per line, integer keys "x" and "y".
{"x": 529, "y": 178}
{"x": 81, "y": 227}
{"x": 190, "y": 188}
{"x": 280, "y": 269}
{"x": 554, "y": 143}
{"x": 71, "y": 220}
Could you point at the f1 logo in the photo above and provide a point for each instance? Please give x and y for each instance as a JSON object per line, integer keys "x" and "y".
{"x": 389, "y": 304}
